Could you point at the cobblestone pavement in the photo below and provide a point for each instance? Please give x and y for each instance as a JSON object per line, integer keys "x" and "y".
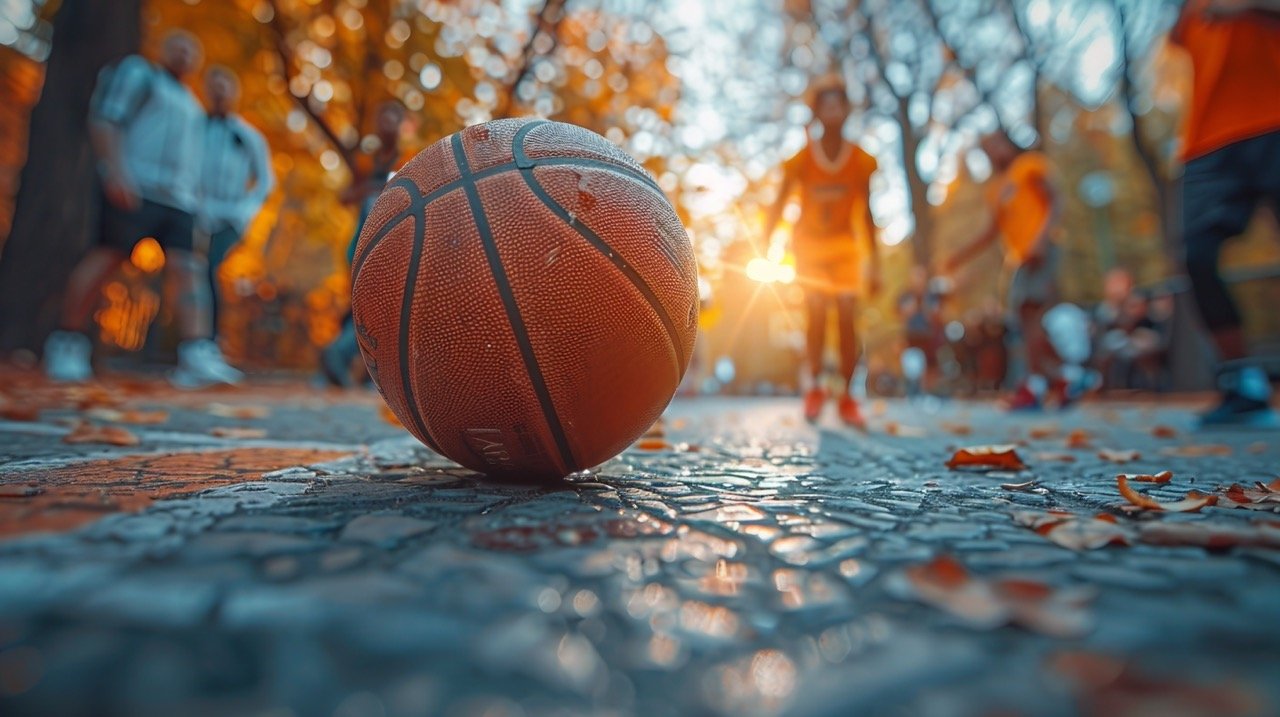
{"x": 744, "y": 563}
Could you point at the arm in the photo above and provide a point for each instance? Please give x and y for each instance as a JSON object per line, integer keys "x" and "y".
{"x": 973, "y": 248}
{"x": 264, "y": 180}
{"x": 774, "y": 214}
{"x": 122, "y": 93}
{"x": 873, "y": 246}
{"x": 1046, "y": 187}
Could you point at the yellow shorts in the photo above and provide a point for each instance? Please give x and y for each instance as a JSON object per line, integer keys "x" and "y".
{"x": 835, "y": 265}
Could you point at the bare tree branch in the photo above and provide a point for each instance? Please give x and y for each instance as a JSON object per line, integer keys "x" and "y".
{"x": 546, "y": 21}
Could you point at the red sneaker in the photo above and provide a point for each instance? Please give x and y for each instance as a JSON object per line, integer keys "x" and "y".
{"x": 1023, "y": 399}
{"x": 814, "y": 398}
{"x": 850, "y": 414}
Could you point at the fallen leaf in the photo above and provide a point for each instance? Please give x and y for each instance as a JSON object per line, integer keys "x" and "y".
{"x": 652, "y": 444}
{"x": 957, "y": 429}
{"x": 1051, "y": 456}
{"x": 1019, "y": 486}
{"x": 893, "y": 428}
{"x": 237, "y": 432}
{"x": 389, "y": 416}
{"x": 242, "y": 412}
{"x": 1164, "y": 432}
{"x": 946, "y": 584}
{"x": 1263, "y": 496}
{"x": 1197, "y": 451}
{"x": 1118, "y": 456}
{"x": 1211, "y": 534}
{"x": 19, "y": 412}
{"x": 1191, "y": 504}
{"x": 136, "y": 417}
{"x": 1000, "y": 457}
{"x": 1161, "y": 477}
{"x": 86, "y": 432}
{"x": 1075, "y": 532}
{"x": 1078, "y": 438}
{"x": 1038, "y": 433}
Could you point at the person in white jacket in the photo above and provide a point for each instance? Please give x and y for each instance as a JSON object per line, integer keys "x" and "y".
{"x": 235, "y": 176}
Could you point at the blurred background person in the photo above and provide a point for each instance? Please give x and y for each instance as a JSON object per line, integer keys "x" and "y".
{"x": 832, "y": 177}
{"x": 1025, "y": 209}
{"x": 1232, "y": 152}
{"x": 147, "y": 132}
{"x": 920, "y": 308}
{"x": 373, "y": 170}
{"x": 235, "y": 176}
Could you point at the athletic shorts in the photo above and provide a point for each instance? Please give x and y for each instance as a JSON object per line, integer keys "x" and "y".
{"x": 1038, "y": 286}
{"x": 173, "y": 228}
{"x": 833, "y": 266}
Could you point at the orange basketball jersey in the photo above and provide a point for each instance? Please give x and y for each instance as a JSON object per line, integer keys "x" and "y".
{"x": 1021, "y": 204}
{"x": 831, "y": 190}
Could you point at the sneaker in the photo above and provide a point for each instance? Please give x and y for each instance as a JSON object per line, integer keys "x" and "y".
{"x": 66, "y": 357}
{"x": 1246, "y": 401}
{"x": 1023, "y": 399}
{"x": 200, "y": 364}
{"x": 850, "y": 414}
{"x": 814, "y": 398}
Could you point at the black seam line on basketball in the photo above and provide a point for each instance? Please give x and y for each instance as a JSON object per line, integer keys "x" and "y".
{"x": 523, "y": 161}
{"x": 406, "y": 306}
{"x": 411, "y": 189}
{"x": 513, "y": 310}
{"x": 527, "y": 166}
{"x": 603, "y": 247}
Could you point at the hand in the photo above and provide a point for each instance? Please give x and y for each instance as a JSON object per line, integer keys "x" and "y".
{"x": 121, "y": 191}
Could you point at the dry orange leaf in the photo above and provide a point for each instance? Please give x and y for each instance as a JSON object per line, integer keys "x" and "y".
{"x": 86, "y": 432}
{"x": 1038, "y": 433}
{"x": 999, "y": 457}
{"x": 652, "y": 444}
{"x": 1191, "y": 504}
{"x": 1263, "y": 496}
{"x": 1078, "y": 438}
{"x": 389, "y": 416}
{"x": 1118, "y": 456}
{"x": 1212, "y": 534}
{"x": 237, "y": 432}
{"x": 1161, "y": 477}
{"x": 1075, "y": 532}
{"x": 242, "y": 412}
{"x": 893, "y": 428}
{"x": 136, "y": 417}
{"x": 1197, "y": 451}
{"x": 957, "y": 429}
{"x": 1164, "y": 432}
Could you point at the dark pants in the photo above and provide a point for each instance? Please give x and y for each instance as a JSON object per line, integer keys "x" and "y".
{"x": 121, "y": 228}
{"x": 220, "y": 243}
{"x": 1221, "y": 191}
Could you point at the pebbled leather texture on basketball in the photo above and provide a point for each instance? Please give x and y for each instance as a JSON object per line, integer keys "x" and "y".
{"x": 525, "y": 298}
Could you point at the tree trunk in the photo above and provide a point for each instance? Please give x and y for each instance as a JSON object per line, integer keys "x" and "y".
{"x": 57, "y": 204}
{"x": 922, "y": 235}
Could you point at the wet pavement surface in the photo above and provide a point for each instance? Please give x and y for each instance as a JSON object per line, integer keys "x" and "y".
{"x": 739, "y": 562}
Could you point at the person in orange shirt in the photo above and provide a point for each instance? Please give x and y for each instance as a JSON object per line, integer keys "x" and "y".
{"x": 833, "y": 240}
{"x": 1232, "y": 152}
{"x": 1025, "y": 207}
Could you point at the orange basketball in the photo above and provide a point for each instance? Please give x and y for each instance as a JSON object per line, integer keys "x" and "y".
{"x": 525, "y": 298}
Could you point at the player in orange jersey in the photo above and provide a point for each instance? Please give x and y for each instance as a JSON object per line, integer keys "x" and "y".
{"x": 1025, "y": 206}
{"x": 833, "y": 241}
{"x": 1232, "y": 152}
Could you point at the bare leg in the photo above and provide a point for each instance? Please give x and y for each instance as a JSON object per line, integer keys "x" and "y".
{"x": 1042, "y": 359}
{"x": 188, "y": 274}
{"x": 1230, "y": 343}
{"x": 846, "y": 305}
{"x": 816, "y": 335}
{"x": 84, "y": 288}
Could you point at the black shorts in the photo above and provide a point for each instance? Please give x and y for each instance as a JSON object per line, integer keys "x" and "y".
{"x": 1222, "y": 189}
{"x": 173, "y": 228}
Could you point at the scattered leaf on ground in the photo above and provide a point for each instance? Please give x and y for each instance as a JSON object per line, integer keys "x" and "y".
{"x": 1073, "y": 531}
{"x": 1078, "y": 438}
{"x": 19, "y": 412}
{"x": 1164, "y": 431}
{"x": 1161, "y": 477}
{"x": 1197, "y": 450}
{"x": 237, "y": 432}
{"x": 1038, "y": 433}
{"x": 1118, "y": 455}
{"x": 947, "y": 585}
{"x": 893, "y": 428}
{"x": 1190, "y": 504}
{"x": 1215, "y": 535}
{"x": 652, "y": 444}
{"x": 389, "y": 416}
{"x": 999, "y": 457}
{"x": 136, "y": 417}
{"x": 1053, "y": 457}
{"x": 242, "y": 412}
{"x": 957, "y": 429}
{"x": 87, "y": 432}
{"x": 1019, "y": 486}
{"x": 1262, "y": 496}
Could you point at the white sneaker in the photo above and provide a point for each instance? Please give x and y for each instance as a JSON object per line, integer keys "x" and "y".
{"x": 66, "y": 357}
{"x": 200, "y": 364}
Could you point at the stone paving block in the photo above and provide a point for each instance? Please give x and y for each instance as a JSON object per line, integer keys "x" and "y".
{"x": 384, "y": 529}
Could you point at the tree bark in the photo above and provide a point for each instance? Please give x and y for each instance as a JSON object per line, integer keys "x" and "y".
{"x": 56, "y": 209}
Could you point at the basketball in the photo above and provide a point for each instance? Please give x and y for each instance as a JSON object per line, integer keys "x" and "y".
{"x": 525, "y": 298}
